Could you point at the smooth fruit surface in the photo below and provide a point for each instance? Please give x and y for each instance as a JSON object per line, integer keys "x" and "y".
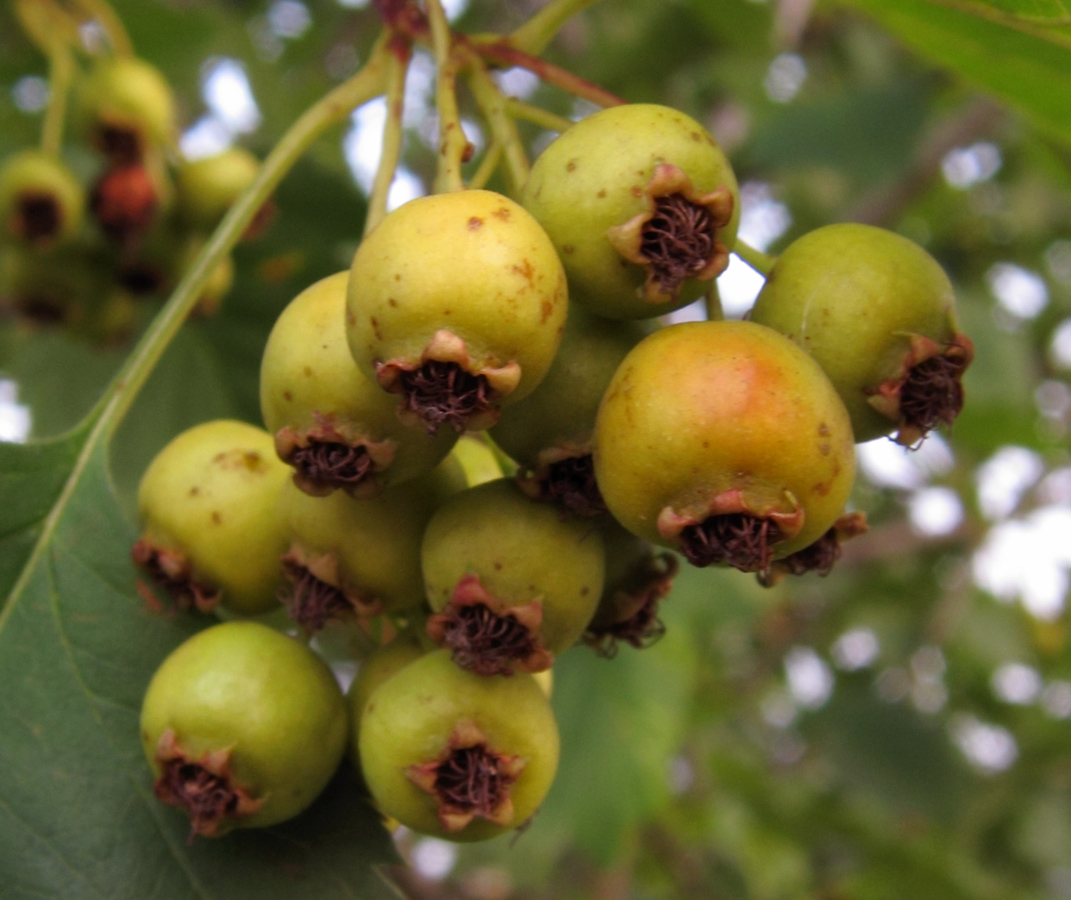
{"x": 708, "y": 419}
{"x": 415, "y": 721}
{"x": 859, "y": 299}
{"x": 268, "y": 701}
{"x": 604, "y": 174}
{"x": 467, "y": 278}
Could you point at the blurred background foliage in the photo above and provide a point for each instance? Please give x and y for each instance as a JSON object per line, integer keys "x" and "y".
{"x": 901, "y": 728}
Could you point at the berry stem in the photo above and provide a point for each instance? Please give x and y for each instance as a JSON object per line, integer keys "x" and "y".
{"x": 60, "y": 73}
{"x": 534, "y": 35}
{"x": 544, "y": 118}
{"x": 503, "y": 128}
{"x": 759, "y": 261}
{"x": 397, "y": 66}
{"x": 454, "y": 147}
{"x": 491, "y": 158}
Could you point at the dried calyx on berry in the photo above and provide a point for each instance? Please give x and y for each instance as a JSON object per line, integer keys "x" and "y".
{"x": 497, "y": 604}
{"x": 456, "y": 302}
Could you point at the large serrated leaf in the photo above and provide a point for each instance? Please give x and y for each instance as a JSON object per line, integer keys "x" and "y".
{"x": 77, "y": 649}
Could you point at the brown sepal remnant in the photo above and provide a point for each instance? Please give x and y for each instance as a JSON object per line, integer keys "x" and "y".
{"x": 569, "y": 482}
{"x": 313, "y": 595}
{"x": 442, "y": 393}
{"x": 470, "y": 780}
{"x": 202, "y": 786}
{"x": 819, "y": 557}
{"x": 170, "y": 570}
{"x": 487, "y": 636}
{"x": 325, "y": 459}
{"x": 676, "y": 238}
{"x": 741, "y": 540}
{"x": 635, "y": 604}
{"x": 37, "y": 218}
{"x": 124, "y": 202}
{"x": 930, "y": 389}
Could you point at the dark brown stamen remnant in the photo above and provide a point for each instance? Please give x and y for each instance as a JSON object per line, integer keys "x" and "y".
{"x": 142, "y": 279}
{"x": 310, "y": 601}
{"x": 202, "y": 787}
{"x": 443, "y": 393}
{"x": 170, "y": 571}
{"x": 740, "y": 540}
{"x": 38, "y": 217}
{"x": 571, "y": 483}
{"x": 819, "y": 557}
{"x": 328, "y": 465}
{"x": 677, "y": 240}
{"x": 634, "y": 618}
{"x": 933, "y": 392}
{"x": 472, "y": 780}
{"x": 485, "y": 642}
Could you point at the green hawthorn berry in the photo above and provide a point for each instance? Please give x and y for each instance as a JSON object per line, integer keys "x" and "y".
{"x": 638, "y": 578}
{"x": 457, "y": 302}
{"x": 381, "y": 664}
{"x": 243, "y": 727}
{"x": 724, "y": 440}
{"x": 453, "y": 754}
{"x": 41, "y": 202}
{"x": 206, "y": 188}
{"x": 128, "y": 107}
{"x": 511, "y": 583}
{"x": 642, "y": 206}
{"x": 211, "y": 528}
{"x": 878, "y": 314}
{"x": 359, "y": 557}
{"x": 334, "y": 426}
{"x": 549, "y": 431}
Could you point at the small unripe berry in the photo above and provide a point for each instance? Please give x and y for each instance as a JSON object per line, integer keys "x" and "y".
{"x": 243, "y": 727}
{"x": 456, "y": 302}
{"x": 642, "y": 206}
{"x": 512, "y": 583}
{"x": 41, "y": 202}
{"x": 128, "y": 108}
{"x": 456, "y": 755}
{"x": 877, "y": 313}
{"x": 212, "y": 530}
{"x": 337, "y": 428}
{"x": 206, "y": 188}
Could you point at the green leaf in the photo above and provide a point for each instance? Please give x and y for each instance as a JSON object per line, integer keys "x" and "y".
{"x": 1031, "y": 70}
{"x": 1052, "y": 12}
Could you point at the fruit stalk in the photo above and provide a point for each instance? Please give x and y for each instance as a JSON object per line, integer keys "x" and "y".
{"x": 397, "y": 66}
